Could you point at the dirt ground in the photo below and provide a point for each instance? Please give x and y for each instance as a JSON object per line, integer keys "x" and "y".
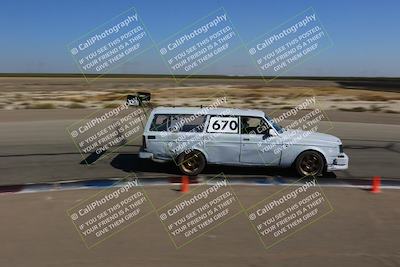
{"x": 71, "y": 93}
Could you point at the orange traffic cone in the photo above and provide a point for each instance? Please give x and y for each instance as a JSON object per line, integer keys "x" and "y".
{"x": 185, "y": 184}
{"x": 376, "y": 184}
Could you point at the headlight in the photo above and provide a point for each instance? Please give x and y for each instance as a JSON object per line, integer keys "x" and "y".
{"x": 340, "y": 148}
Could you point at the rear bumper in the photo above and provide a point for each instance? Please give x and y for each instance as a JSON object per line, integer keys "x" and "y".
{"x": 338, "y": 163}
{"x": 145, "y": 155}
{"x": 149, "y": 155}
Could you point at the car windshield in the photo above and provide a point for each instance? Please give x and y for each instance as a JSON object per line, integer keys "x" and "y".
{"x": 277, "y": 127}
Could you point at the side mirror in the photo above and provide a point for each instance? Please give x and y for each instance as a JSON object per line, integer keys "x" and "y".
{"x": 270, "y": 133}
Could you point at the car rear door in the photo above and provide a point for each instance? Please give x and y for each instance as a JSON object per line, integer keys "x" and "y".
{"x": 185, "y": 133}
{"x": 222, "y": 139}
{"x": 171, "y": 134}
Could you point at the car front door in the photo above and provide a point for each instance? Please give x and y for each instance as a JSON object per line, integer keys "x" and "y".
{"x": 259, "y": 145}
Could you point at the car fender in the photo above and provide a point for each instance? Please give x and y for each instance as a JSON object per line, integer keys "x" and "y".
{"x": 203, "y": 152}
{"x": 198, "y": 149}
{"x": 290, "y": 154}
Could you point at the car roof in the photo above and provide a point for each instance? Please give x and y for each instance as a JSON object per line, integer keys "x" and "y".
{"x": 208, "y": 111}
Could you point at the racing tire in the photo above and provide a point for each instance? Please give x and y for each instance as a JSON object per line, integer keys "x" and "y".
{"x": 310, "y": 163}
{"x": 191, "y": 163}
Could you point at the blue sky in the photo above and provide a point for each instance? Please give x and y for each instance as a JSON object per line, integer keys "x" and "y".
{"x": 366, "y": 34}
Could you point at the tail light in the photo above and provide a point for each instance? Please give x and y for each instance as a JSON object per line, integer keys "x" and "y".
{"x": 144, "y": 142}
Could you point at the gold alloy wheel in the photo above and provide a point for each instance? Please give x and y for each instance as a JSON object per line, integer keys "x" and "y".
{"x": 191, "y": 162}
{"x": 311, "y": 164}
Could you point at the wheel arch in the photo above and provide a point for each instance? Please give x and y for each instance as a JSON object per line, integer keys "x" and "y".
{"x": 194, "y": 149}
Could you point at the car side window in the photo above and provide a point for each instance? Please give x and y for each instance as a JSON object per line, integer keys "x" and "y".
{"x": 178, "y": 123}
{"x": 254, "y": 125}
{"x": 187, "y": 123}
{"x": 159, "y": 123}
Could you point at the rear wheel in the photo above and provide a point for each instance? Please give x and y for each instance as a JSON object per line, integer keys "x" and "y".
{"x": 310, "y": 163}
{"x": 191, "y": 163}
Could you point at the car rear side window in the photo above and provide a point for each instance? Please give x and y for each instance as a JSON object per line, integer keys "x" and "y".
{"x": 178, "y": 123}
{"x": 187, "y": 123}
{"x": 159, "y": 123}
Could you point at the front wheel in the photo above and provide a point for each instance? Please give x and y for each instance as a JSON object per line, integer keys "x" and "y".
{"x": 191, "y": 163}
{"x": 310, "y": 163}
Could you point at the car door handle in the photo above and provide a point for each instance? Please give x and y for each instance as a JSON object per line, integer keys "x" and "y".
{"x": 246, "y": 139}
{"x": 151, "y": 137}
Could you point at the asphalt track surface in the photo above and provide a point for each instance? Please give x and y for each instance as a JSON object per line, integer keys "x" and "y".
{"x": 362, "y": 230}
{"x": 34, "y": 147}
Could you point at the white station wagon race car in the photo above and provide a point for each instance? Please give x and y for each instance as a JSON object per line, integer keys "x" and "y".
{"x": 194, "y": 137}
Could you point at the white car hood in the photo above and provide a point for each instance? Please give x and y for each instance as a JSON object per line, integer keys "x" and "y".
{"x": 309, "y": 138}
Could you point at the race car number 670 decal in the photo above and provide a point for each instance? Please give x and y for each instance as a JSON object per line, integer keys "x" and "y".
{"x": 223, "y": 125}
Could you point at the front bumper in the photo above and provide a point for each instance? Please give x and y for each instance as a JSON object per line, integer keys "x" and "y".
{"x": 341, "y": 162}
